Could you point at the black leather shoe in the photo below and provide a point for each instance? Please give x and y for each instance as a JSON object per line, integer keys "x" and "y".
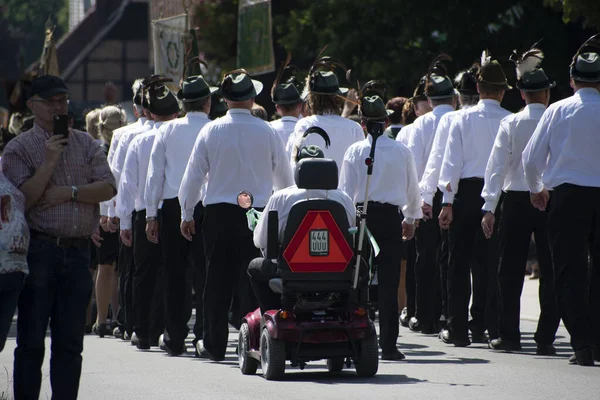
{"x": 142, "y": 344}
{"x": 584, "y": 357}
{"x": 597, "y": 353}
{"x": 414, "y": 325}
{"x": 545, "y": 350}
{"x": 477, "y": 337}
{"x": 448, "y": 338}
{"x": 404, "y": 318}
{"x": 118, "y": 333}
{"x": 395, "y": 355}
{"x": 505, "y": 345}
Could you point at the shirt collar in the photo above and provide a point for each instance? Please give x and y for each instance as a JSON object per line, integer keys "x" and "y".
{"x": 239, "y": 111}
{"x": 158, "y": 124}
{"x": 289, "y": 118}
{"x": 396, "y": 126}
{"x": 142, "y": 120}
{"x": 40, "y": 130}
{"x": 586, "y": 92}
{"x": 442, "y": 109}
{"x": 489, "y": 102}
{"x": 196, "y": 114}
{"x": 535, "y": 106}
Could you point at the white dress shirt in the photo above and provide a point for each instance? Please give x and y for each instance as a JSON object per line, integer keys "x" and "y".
{"x": 564, "y": 147}
{"x": 470, "y": 142}
{"x": 431, "y": 175}
{"x": 504, "y": 169}
{"x": 422, "y": 134}
{"x": 239, "y": 152}
{"x": 394, "y": 180}
{"x": 283, "y": 200}
{"x": 342, "y": 132}
{"x": 404, "y": 134}
{"x": 133, "y": 179}
{"x": 284, "y": 128}
{"x": 171, "y": 152}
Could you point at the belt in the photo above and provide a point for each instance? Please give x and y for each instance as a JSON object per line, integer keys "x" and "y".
{"x": 62, "y": 241}
{"x": 382, "y": 206}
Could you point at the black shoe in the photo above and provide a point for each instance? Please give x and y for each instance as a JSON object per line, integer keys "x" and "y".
{"x": 89, "y": 329}
{"x": 126, "y": 336}
{"x": 142, "y": 344}
{"x": 394, "y": 355}
{"x": 584, "y": 357}
{"x": 448, "y": 338}
{"x": 404, "y": 318}
{"x": 477, "y": 337}
{"x": 118, "y": 333}
{"x": 134, "y": 339}
{"x": 414, "y": 325}
{"x": 101, "y": 329}
{"x": 203, "y": 353}
{"x": 178, "y": 352}
{"x": 505, "y": 345}
{"x": 545, "y": 350}
{"x": 597, "y": 353}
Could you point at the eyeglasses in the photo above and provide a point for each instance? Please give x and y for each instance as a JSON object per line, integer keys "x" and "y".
{"x": 56, "y": 102}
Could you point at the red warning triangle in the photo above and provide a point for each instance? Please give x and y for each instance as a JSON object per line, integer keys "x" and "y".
{"x": 331, "y": 253}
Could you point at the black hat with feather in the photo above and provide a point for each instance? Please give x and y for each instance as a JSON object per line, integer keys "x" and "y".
{"x": 466, "y": 81}
{"x": 491, "y": 72}
{"x": 161, "y": 101}
{"x": 195, "y": 88}
{"x": 438, "y": 85}
{"x": 530, "y": 78}
{"x": 311, "y": 151}
{"x": 287, "y": 92}
{"x": 321, "y": 76}
{"x": 371, "y": 99}
{"x": 586, "y": 62}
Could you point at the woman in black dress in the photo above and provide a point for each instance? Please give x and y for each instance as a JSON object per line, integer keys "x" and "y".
{"x": 107, "y": 281}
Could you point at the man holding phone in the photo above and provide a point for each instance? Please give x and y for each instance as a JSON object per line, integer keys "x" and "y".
{"x": 63, "y": 174}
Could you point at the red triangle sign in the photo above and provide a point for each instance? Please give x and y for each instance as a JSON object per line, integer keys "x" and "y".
{"x": 318, "y": 245}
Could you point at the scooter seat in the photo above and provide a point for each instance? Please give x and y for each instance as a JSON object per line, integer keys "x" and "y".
{"x": 276, "y": 285}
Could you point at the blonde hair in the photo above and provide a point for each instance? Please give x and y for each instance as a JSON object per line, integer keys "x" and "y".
{"x": 110, "y": 118}
{"x": 91, "y": 123}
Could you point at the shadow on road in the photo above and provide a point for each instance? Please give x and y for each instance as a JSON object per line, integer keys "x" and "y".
{"x": 328, "y": 378}
{"x": 457, "y": 360}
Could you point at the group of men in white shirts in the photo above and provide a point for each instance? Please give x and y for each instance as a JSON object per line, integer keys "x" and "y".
{"x": 454, "y": 178}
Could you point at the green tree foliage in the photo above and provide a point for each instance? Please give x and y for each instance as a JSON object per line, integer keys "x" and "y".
{"x": 586, "y": 10}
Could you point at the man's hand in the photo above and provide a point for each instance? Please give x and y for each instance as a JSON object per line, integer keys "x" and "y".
{"x": 188, "y": 228}
{"x": 97, "y": 239}
{"x": 54, "y": 148}
{"x": 487, "y": 224}
{"x": 152, "y": 231}
{"x": 408, "y": 231}
{"x": 54, "y": 195}
{"x": 427, "y": 211}
{"x": 350, "y": 104}
{"x": 113, "y": 224}
{"x": 445, "y": 217}
{"x": 126, "y": 237}
{"x": 104, "y": 223}
{"x": 540, "y": 200}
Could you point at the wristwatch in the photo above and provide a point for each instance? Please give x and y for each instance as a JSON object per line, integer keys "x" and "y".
{"x": 149, "y": 219}
{"x": 74, "y": 193}
{"x": 446, "y": 204}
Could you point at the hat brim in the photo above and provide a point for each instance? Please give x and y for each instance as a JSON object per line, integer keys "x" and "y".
{"x": 212, "y": 89}
{"x": 550, "y": 86}
{"x": 389, "y": 112}
{"x": 292, "y": 101}
{"x": 446, "y": 96}
{"x": 52, "y": 92}
{"x": 340, "y": 92}
{"x": 258, "y": 87}
{"x": 585, "y": 79}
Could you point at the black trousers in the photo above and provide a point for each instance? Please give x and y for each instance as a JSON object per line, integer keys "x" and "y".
{"x": 229, "y": 250}
{"x": 260, "y": 271}
{"x": 469, "y": 249}
{"x": 125, "y": 266}
{"x": 573, "y": 220}
{"x": 443, "y": 262}
{"x": 410, "y": 284}
{"x": 178, "y": 289}
{"x": 427, "y": 268}
{"x": 518, "y": 222}
{"x": 146, "y": 274}
{"x": 198, "y": 261}
{"x": 385, "y": 223}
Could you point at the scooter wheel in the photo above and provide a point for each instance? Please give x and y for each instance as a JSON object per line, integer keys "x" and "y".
{"x": 272, "y": 356}
{"x": 335, "y": 364}
{"x": 368, "y": 362}
{"x": 248, "y": 365}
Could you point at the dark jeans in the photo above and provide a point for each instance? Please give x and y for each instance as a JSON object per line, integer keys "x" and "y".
{"x": 261, "y": 271}
{"x": 10, "y": 286}
{"x": 57, "y": 290}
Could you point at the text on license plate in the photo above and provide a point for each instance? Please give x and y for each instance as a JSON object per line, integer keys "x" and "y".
{"x": 319, "y": 242}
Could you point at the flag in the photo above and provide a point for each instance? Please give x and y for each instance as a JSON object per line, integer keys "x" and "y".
{"x": 169, "y": 48}
{"x": 255, "y": 41}
{"x": 49, "y": 59}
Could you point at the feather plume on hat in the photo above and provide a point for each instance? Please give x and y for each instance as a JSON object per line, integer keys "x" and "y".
{"x": 486, "y": 57}
{"x": 439, "y": 66}
{"x": 322, "y": 63}
{"x": 593, "y": 43}
{"x": 528, "y": 61}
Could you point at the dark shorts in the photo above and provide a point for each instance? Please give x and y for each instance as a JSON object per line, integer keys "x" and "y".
{"x": 109, "y": 251}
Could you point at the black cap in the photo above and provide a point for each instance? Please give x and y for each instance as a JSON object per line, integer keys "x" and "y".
{"x": 47, "y": 86}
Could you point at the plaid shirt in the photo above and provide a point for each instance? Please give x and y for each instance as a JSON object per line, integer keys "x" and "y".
{"x": 83, "y": 162}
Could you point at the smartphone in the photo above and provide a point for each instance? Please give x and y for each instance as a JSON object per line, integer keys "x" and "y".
{"x": 61, "y": 125}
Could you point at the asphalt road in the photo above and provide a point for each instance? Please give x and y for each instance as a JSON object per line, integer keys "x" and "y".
{"x": 113, "y": 369}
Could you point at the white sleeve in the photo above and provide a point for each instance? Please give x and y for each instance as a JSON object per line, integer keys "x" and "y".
{"x": 412, "y": 208}
{"x": 261, "y": 231}
{"x": 497, "y": 168}
{"x": 128, "y": 187}
{"x": 431, "y": 175}
{"x": 453, "y": 161}
{"x": 348, "y": 176}
{"x": 282, "y": 172}
{"x": 194, "y": 177}
{"x": 535, "y": 155}
{"x": 156, "y": 173}
{"x": 417, "y": 148}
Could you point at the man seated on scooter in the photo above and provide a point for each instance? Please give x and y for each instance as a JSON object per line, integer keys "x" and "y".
{"x": 261, "y": 270}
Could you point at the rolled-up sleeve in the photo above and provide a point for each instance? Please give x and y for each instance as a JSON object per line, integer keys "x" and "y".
{"x": 14, "y": 165}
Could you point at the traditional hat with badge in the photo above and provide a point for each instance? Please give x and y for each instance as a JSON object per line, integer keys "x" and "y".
{"x": 161, "y": 101}
{"x": 491, "y": 72}
{"x": 586, "y": 62}
{"x": 287, "y": 92}
{"x": 312, "y": 151}
{"x": 195, "y": 88}
{"x": 530, "y": 78}
{"x": 322, "y": 78}
{"x": 238, "y": 86}
{"x": 371, "y": 100}
{"x": 438, "y": 85}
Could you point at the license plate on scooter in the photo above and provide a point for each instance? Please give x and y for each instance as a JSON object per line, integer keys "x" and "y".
{"x": 319, "y": 242}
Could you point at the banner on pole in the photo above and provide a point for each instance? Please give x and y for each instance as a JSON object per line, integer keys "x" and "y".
{"x": 168, "y": 37}
{"x": 255, "y": 41}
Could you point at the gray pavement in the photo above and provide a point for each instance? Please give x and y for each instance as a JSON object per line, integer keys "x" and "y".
{"x": 113, "y": 369}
